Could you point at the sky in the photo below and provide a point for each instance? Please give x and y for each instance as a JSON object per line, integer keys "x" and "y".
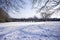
{"x": 26, "y": 12}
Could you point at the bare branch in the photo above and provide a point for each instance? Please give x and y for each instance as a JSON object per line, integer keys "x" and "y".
{"x": 44, "y": 5}
{"x": 33, "y": 3}
{"x": 45, "y": 9}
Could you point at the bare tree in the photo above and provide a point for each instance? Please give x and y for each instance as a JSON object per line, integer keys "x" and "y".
{"x": 4, "y": 17}
{"x": 46, "y": 15}
{"x": 46, "y": 7}
{"x": 9, "y": 5}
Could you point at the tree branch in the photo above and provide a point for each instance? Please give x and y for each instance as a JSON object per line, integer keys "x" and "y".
{"x": 44, "y": 5}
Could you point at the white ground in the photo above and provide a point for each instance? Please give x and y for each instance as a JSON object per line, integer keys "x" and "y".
{"x": 31, "y": 30}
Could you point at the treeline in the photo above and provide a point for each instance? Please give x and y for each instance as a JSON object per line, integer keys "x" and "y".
{"x": 35, "y": 20}
{"x": 32, "y": 20}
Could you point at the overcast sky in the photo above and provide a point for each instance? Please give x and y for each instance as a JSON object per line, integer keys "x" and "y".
{"x": 24, "y": 12}
{"x": 27, "y": 10}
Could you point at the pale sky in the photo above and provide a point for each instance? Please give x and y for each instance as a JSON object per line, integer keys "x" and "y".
{"x": 27, "y": 10}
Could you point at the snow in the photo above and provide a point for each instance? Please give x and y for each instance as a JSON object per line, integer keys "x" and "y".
{"x": 30, "y": 31}
{"x": 26, "y": 23}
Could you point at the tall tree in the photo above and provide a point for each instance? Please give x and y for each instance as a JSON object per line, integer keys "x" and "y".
{"x": 4, "y": 17}
{"x": 46, "y": 7}
{"x": 7, "y": 6}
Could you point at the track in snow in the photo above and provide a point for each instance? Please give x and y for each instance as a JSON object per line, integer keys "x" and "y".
{"x": 31, "y": 32}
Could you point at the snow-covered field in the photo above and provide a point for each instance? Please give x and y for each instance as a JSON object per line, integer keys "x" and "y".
{"x": 30, "y": 31}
